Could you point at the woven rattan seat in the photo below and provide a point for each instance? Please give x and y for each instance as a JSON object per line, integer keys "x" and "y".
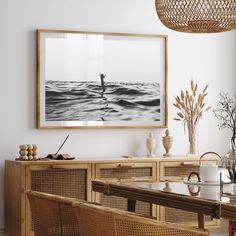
{"x": 103, "y": 221}
{"x": 53, "y": 215}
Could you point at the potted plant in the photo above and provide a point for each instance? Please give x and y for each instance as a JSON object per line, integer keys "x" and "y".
{"x": 225, "y": 112}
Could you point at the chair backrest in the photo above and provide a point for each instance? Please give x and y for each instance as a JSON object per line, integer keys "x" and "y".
{"x": 53, "y": 215}
{"x": 103, "y": 221}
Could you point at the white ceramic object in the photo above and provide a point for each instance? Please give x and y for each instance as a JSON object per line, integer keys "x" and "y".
{"x": 210, "y": 192}
{"x": 209, "y": 173}
{"x": 151, "y": 144}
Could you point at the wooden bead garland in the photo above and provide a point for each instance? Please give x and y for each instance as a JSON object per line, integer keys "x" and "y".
{"x": 28, "y": 152}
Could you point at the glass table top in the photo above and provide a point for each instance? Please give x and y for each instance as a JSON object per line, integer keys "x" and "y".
{"x": 205, "y": 199}
{"x": 208, "y": 191}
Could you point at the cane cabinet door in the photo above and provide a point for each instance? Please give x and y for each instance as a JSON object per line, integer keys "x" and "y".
{"x": 70, "y": 180}
{"x": 126, "y": 171}
{"x": 176, "y": 171}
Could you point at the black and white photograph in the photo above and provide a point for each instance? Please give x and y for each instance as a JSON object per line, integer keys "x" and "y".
{"x": 101, "y": 80}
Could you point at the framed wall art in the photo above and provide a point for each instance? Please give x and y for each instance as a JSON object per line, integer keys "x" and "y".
{"x": 101, "y": 80}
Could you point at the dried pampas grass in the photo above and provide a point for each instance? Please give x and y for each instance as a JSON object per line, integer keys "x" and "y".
{"x": 191, "y": 105}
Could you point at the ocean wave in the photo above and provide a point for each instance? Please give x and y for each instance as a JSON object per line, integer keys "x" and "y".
{"x": 86, "y": 101}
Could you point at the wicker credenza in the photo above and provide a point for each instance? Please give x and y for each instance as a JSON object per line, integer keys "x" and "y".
{"x": 73, "y": 178}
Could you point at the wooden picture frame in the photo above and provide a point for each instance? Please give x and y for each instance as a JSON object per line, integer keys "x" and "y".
{"x": 101, "y": 80}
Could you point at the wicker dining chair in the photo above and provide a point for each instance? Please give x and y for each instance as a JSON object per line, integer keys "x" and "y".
{"x": 53, "y": 215}
{"x": 104, "y": 221}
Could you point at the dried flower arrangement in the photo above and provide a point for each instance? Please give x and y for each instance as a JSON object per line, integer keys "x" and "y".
{"x": 226, "y": 114}
{"x": 191, "y": 106}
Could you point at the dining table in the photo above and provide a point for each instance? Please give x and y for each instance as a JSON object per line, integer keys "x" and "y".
{"x": 202, "y": 198}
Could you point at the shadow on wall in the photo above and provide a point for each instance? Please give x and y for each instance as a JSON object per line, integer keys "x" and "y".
{"x": 31, "y": 77}
{"x": 2, "y": 185}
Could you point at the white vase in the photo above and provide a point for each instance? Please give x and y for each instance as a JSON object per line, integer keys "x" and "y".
{"x": 234, "y": 189}
{"x": 151, "y": 144}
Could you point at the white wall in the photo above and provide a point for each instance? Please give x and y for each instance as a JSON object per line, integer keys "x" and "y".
{"x": 207, "y": 58}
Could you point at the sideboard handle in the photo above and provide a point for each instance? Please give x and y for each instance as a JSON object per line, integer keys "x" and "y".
{"x": 136, "y": 179}
{"x": 125, "y": 166}
{"x": 57, "y": 167}
{"x": 189, "y": 164}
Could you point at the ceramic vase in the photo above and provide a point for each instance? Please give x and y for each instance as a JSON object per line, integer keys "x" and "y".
{"x": 151, "y": 144}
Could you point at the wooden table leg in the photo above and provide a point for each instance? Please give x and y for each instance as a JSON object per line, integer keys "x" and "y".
{"x": 200, "y": 218}
{"x": 232, "y": 228}
{"x": 131, "y": 205}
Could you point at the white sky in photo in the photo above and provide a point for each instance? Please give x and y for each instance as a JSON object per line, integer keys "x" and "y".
{"x": 80, "y": 57}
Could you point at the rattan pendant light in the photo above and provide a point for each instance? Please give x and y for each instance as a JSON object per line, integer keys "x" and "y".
{"x": 197, "y": 16}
